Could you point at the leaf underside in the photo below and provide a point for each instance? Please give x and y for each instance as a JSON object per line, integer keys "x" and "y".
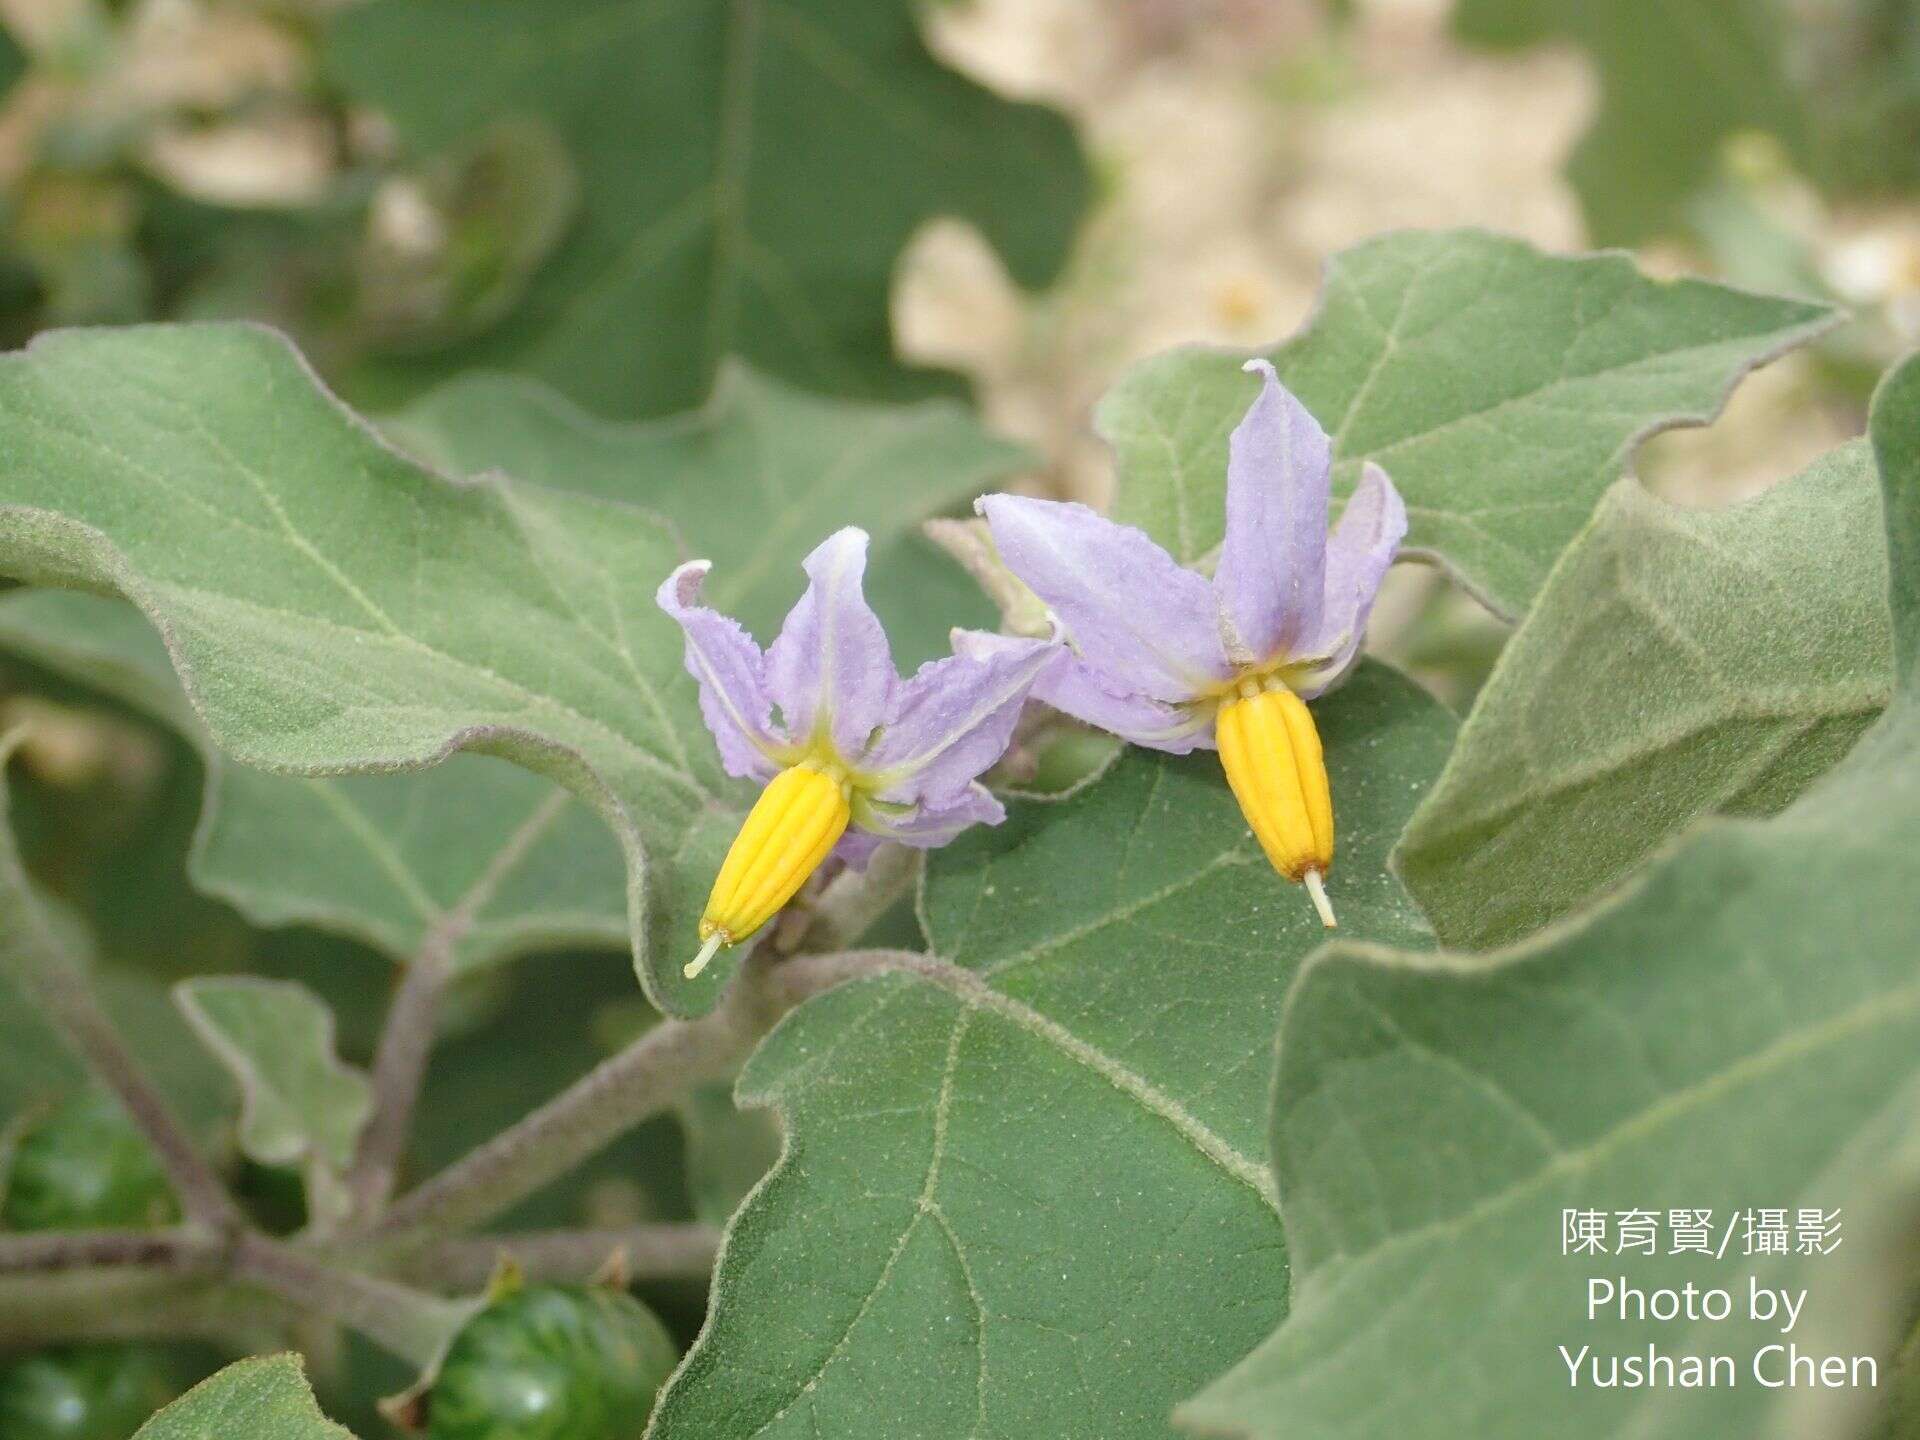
{"x": 1677, "y": 664}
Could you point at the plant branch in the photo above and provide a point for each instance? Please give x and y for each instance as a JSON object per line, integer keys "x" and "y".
{"x": 42, "y": 960}
{"x": 399, "y": 1069}
{"x": 409, "y": 1323}
{"x": 611, "y": 1099}
{"x": 136, "y": 1302}
{"x": 647, "y": 1252}
{"x": 181, "y": 1250}
{"x": 406, "y": 1040}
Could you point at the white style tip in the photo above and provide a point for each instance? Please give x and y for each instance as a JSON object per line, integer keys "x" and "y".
{"x": 1317, "y": 888}
{"x": 707, "y": 951}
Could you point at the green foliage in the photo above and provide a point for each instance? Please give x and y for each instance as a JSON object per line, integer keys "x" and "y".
{"x": 81, "y": 1165}
{"x": 1432, "y": 1118}
{"x": 298, "y": 1104}
{"x": 552, "y": 1363}
{"x": 1020, "y": 1192}
{"x": 349, "y": 610}
{"x": 473, "y": 855}
{"x": 260, "y": 1399}
{"x": 1677, "y": 664}
{"x": 752, "y": 481}
{"x": 532, "y": 636}
{"x": 790, "y": 149}
{"x": 1501, "y": 388}
{"x": 85, "y": 1392}
{"x": 1678, "y": 78}
{"x": 1685, "y": 83}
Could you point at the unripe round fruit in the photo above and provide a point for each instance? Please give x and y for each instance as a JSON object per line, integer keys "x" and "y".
{"x": 82, "y": 1392}
{"x": 552, "y": 1362}
{"x": 83, "y": 1166}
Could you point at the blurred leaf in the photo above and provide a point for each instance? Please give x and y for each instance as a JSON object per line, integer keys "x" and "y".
{"x": 750, "y": 172}
{"x": 1677, "y": 79}
{"x": 1677, "y": 664}
{"x": 1503, "y": 389}
{"x": 1021, "y": 1193}
{"x": 493, "y": 210}
{"x": 331, "y": 606}
{"x": 1741, "y": 1030}
{"x": 260, "y": 1399}
{"x": 482, "y": 856}
{"x": 728, "y": 1150}
{"x": 298, "y": 1103}
{"x": 752, "y": 480}
{"x": 542, "y": 1038}
{"x": 36, "y": 1064}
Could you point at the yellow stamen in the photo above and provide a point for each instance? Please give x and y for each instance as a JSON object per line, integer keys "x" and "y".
{"x": 797, "y": 820}
{"x": 1271, "y": 754}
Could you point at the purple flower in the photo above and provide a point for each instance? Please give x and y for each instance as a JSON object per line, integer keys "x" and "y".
{"x": 1168, "y": 659}
{"x": 858, "y": 755}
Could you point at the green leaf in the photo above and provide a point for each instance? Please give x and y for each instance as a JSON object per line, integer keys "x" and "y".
{"x": 331, "y": 606}
{"x": 266, "y": 1398}
{"x": 1503, "y": 390}
{"x": 749, "y": 171}
{"x": 1677, "y": 664}
{"x": 752, "y": 480}
{"x": 1678, "y": 78}
{"x": 1742, "y": 1030}
{"x": 476, "y": 855}
{"x": 298, "y": 1102}
{"x": 728, "y": 1150}
{"x": 1020, "y": 1193}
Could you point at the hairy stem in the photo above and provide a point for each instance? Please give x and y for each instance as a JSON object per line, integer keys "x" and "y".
{"x": 137, "y": 1302}
{"x": 645, "y": 1252}
{"x": 399, "y": 1069}
{"x": 406, "y": 1040}
{"x": 609, "y": 1100}
{"x": 409, "y": 1323}
{"x": 180, "y": 1249}
{"x": 40, "y": 958}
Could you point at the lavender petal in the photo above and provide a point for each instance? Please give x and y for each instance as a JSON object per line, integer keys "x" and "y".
{"x": 731, "y": 673}
{"x": 1359, "y": 554}
{"x": 830, "y": 668}
{"x": 1147, "y": 625}
{"x": 1271, "y": 573}
{"x": 954, "y": 718}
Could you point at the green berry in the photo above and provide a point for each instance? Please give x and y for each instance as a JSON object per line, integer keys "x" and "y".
{"x": 552, "y": 1363}
{"x": 82, "y": 1392}
{"x": 83, "y": 1166}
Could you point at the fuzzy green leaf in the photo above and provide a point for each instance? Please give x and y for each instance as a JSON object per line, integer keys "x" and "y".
{"x": 331, "y": 606}
{"x": 266, "y": 1398}
{"x": 1021, "y": 1192}
{"x": 1742, "y": 1030}
{"x": 1677, "y": 664}
{"x": 476, "y": 856}
{"x": 1503, "y": 390}
{"x": 750, "y": 171}
{"x": 752, "y": 480}
{"x": 298, "y": 1102}
{"x": 1678, "y": 79}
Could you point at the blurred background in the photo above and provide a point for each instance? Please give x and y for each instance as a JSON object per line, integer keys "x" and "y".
{"x": 192, "y": 159}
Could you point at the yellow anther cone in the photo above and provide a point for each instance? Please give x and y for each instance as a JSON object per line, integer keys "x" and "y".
{"x": 792, "y": 827}
{"x": 1271, "y": 753}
